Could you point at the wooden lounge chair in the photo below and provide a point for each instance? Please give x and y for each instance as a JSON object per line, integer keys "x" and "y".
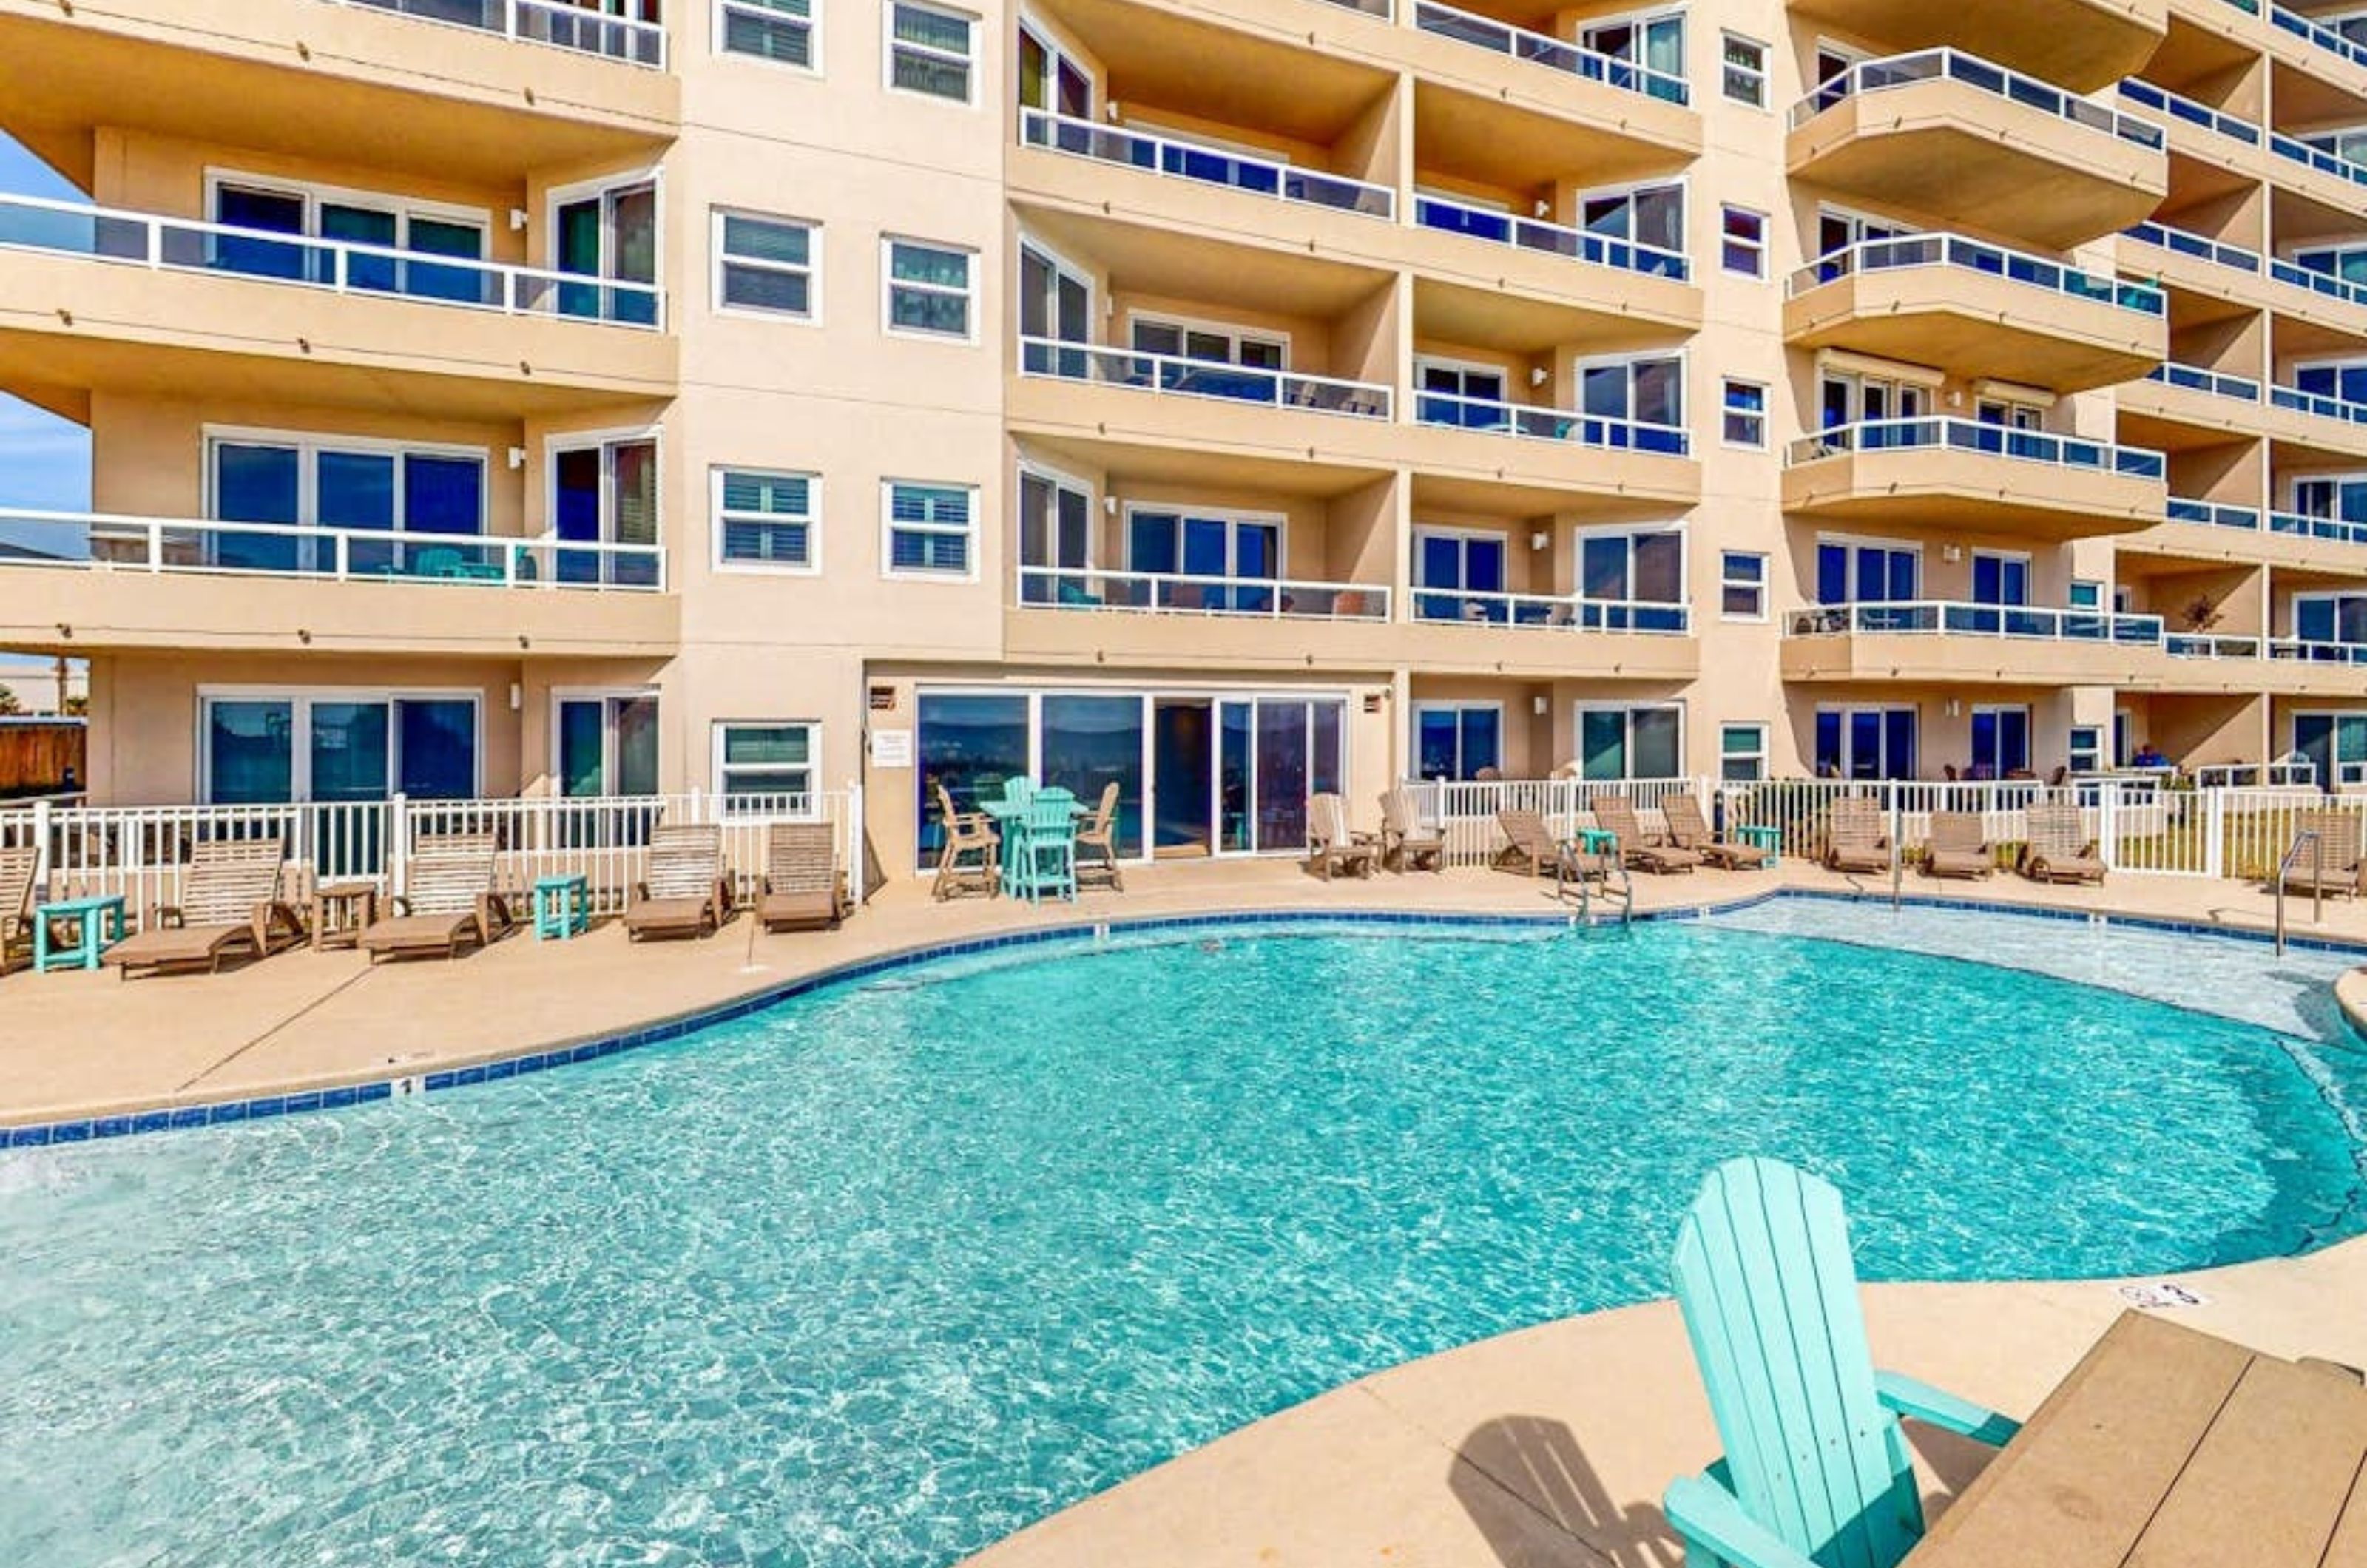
{"x": 682, "y": 891}
{"x": 448, "y": 897}
{"x": 1817, "y": 1468}
{"x": 2332, "y": 865}
{"x": 1331, "y": 845}
{"x": 802, "y": 878}
{"x": 1099, "y": 834}
{"x": 1406, "y": 844}
{"x": 1854, "y": 840}
{"x": 2057, "y": 848}
{"x": 970, "y": 854}
{"x": 1956, "y": 846}
{"x": 1531, "y": 846}
{"x": 229, "y": 903}
{"x": 1615, "y": 814}
{"x": 18, "y": 864}
{"x": 1689, "y": 830}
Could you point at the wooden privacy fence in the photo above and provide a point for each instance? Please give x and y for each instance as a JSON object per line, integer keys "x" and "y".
{"x": 37, "y": 756}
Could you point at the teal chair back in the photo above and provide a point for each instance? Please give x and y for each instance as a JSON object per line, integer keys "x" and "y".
{"x": 435, "y": 560}
{"x": 1769, "y": 1292}
{"x": 1051, "y": 817}
{"x": 1018, "y": 789}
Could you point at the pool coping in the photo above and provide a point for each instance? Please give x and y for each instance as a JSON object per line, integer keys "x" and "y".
{"x": 2350, "y": 992}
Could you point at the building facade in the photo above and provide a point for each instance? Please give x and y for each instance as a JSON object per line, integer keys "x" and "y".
{"x": 1232, "y": 399}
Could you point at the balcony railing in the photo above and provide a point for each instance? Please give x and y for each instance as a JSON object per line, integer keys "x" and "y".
{"x": 1503, "y": 38}
{"x": 2318, "y": 158}
{"x": 2238, "y": 259}
{"x": 2312, "y": 32}
{"x": 1976, "y": 256}
{"x": 2211, "y": 513}
{"x": 1549, "y": 612}
{"x": 1495, "y": 418}
{"x": 110, "y": 542}
{"x": 2195, "y": 379}
{"x": 1201, "y": 379}
{"x": 2277, "y": 650}
{"x": 1191, "y": 161}
{"x": 2163, "y": 101}
{"x": 1189, "y": 594}
{"x": 1954, "y": 65}
{"x": 1938, "y": 618}
{"x": 342, "y": 266}
{"x": 2292, "y": 524}
{"x": 555, "y": 22}
{"x": 2317, "y": 405}
{"x": 1967, "y": 436}
{"x": 1535, "y": 235}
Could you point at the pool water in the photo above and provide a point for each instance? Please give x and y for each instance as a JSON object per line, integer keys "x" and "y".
{"x": 889, "y": 1272}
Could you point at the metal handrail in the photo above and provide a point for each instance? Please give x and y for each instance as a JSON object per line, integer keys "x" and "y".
{"x": 1956, "y": 65}
{"x": 2180, "y": 108}
{"x": 1544, "y": 423}
{"x": 1199, "y": 594}
{"x": 1959, "y": 617}
{"x": 1210, "y": 165}
{"x": 1560, "y": 54}
{"x": 1554, "y": 238}
{"x": 1927, "y": 431}
{"x": 1922, "y": 250}
{"x": 1180, "y": 375}
{"x": 633, "y": 41}
{"x": 2195, "y": 379}
{"x": 2315, "y": 843}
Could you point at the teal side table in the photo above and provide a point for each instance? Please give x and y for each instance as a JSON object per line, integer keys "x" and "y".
{"x": 562, "y": 908}
{"x": 1598, "y": 840}
{"x": 97, "y": 922}
{"x": 1768, "y": 838}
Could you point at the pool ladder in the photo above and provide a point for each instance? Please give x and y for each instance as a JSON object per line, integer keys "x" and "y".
{"x": 2307, "y": 839}
{"x": 1625, "y": 894}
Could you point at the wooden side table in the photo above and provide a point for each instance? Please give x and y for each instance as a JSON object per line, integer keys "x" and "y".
{"x": 341, "y": 910}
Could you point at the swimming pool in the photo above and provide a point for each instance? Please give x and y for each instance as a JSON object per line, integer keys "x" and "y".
{"x": 884, "y": 1273}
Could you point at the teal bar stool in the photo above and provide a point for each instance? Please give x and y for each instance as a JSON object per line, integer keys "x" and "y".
{"x": 1046, "y": 857}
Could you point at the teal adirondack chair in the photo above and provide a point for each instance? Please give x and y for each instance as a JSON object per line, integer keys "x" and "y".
{"x": 1817, "y": 1473}
{"x": 1046, "y": 847}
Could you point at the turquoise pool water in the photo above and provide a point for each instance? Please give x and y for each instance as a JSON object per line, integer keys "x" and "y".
{"x": 885, "y": 1273}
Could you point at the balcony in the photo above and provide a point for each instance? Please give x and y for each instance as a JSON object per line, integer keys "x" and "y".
{"x": 1556, "y": 54}
{"x": 1489, "y": 92}
{"x": 510, "y": 88}
{"x": 93, "y": 582}
{"x": 1088, "y": 616}
{"x": 1538, "y": 459}
{"x": 334, "y": 320}
{"x": 1958, "y": 643}
{"x": 1982, "y": 478}
{"x": 2248, "y": 664}
{"x": 1963, "y": 141}
{"x": 1539, "y": 285}
{"x": 1204, "y": 166}
{"x": 2082, "y": 44}
{"x": 2213, "y": 269}
{"x": 2239, "y": 144}
{"x": 1545, "y": 635}
{"x": 1977, "y": 310}
{"x": 2245, "y": 536}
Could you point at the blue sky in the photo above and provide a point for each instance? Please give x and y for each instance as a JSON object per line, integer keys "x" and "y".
{"x": 44, "y": 461}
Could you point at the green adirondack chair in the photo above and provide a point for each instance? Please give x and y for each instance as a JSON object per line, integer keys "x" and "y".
{"x": 1817, "y": 1473}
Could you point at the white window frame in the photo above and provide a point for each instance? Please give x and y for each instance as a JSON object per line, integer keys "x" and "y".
{"x": 1422, "y": 531}
{"x": 604, "y": 695}
{"x": 1763, "y": 98}
{"x": 1061, "y": 267}
{"x": 311, "y": 444}
{"x": 2293, "y": 487}
{"x": 1845, "y": 710}
{"x": 1639, "y": 20}
{"x": 565, "y": 441}
{"x": 1233, "y": 517}
{"x": 717, "y": 768}
{"x": 974, "y": 530}
{"x": 809, "y": 567}
{"x": 1756, "y": 249}
{"x": 2103, "y": 593}
{"x": 402, "y": 207}
{"x": 1757, "y": 756}
{"x": 1726, "y": 411}
{"x": 651, "y": 175}
{"x": 813, "y": 26}
{"x": 1681, "y": 357}
{"x": 2335, "y": 596}
{"x": 811, "y": 315}
{"x": 1628, "y": 190}
{"x": 1233, "y": 332}
{"x": 1631, "y": 532}
{"x": 1855, "y": 543}
{"x": 1578, "y": 710}
{"x": 1458, "y": 706}
{"x": 2095, "y": 749}
{"x": 890, "y": 43}
{"x": 2029, "y": 735}
{"x": 301, "y": 700}
{"x": 969, "y": 291}
{"x": 1726, "y": 584}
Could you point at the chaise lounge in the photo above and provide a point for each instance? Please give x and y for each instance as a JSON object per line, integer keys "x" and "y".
{"x": 2332, "y": 867}
{"x": 229, "y": 903}
{"x": 1531, "y": 846}
{"x": 18, "y": 864}
{"x": 2057, "y": 848}
{"x": 1406, "y": 844}
{"x": 1957, "y": 847}
{"x": 1689, "y": 830}
{"x": 682, "y": 891}
{"x": 1854, "y": 840}
{"x": 802, "y": 878}
{"x": 1615, "y": 814}
{"x": 447, "y": 898}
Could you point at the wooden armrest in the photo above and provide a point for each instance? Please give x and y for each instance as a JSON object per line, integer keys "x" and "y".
{"x": 166, "y": 915}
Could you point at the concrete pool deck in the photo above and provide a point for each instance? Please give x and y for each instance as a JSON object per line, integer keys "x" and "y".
{"x": 1543, "y": 1448}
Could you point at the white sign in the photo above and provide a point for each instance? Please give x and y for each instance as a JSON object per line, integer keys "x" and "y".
{"x": 892, "y": 748}
{"x": 2163, "y": 1296}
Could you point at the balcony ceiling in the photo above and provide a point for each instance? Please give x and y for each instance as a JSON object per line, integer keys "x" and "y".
{"x": 1139, "y": 464}
{"x": 1483, "y": 138}
{"x": 1143, "y": 260}
{"x": 2303, "y": 100}
{"x": 1519, "y": 323}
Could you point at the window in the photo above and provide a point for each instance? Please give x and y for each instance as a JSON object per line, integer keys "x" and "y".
{"x": 1208, "y": 549}
{"x": 366, "y": 218}
{"x": 1837, "y": 232}
{"x": 1453, "y": 392}
{"x": 1851, "y": 572}
{"x": 1464, "y": 573}
{"x": 1638, "y": 580}
{"x": 929, "y": 529}
{"x": 1653, "y": 46}
{"x": 1213, "y": 343}
{"x": 1746, "y": 414}
{"x": 2011, "y": 415}
{"x": 1742, "y": 585}
{"x": 605, "y": 492}
{"x": 2342, "y": 379}
{"x": 2085, "y": 594}
{"x": 2330, "y": 618}
{"x": 929, "y": 50}
{"x": 1742, "y": 752}
{"x": 1865, "y": 742}
{"x": 1744, "y": 236}
{"x": 780, "y": 31}
{"x": 2332, "y": 497}
{"x": 1846, "y": 400}
{"x": 329, "y": 482}
{"x": 1642, "y": 400}
{"x": 2000, "y": 578}
{"x": 608, "y": 233}
{"x": 2087, "y": 750}
{"x": 604, "y": 743}
{"x": 2348, "y": 144}
{"x": 928, "y": 289}
{"x": 766, "y": 766}
{"x": 2000, "y": 742}
{"x": 335, "y": 744}
{"x": 1631, "y": 742}
{"x": 764, "y": 264}
{"x": 2347, "y": 262}
{"x": 1651, "y": 216}
{"x": 1056, "y": 539}
{"x": 764, "y": 520}
{"x": 2336, "y": 743}
{"x": 1746, "y": 71}
{"x": 1454, "y": 741}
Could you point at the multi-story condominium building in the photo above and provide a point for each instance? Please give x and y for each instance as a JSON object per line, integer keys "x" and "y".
{"x": 1230, "y": 398}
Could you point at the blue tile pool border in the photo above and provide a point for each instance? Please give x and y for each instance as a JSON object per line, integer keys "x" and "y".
{"x": 214, "y": 1113}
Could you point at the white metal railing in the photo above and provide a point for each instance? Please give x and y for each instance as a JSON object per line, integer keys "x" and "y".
{"x": 1210, "y": 165}
{"x": 1503, "y": 38}
{"x": 2293, "y": 524}
{"x": 1954, "y": 65}
{"x": 2185, "y": 243}
{"x": 2315, "y": 157}
{"x": 1192, "y": 593}
{"x": 2334, "y": 530}
{"x": 1488, "y": 416}
{"x": 1553, "y": 239}
{"x": 1969, "y": 435}
{"x": 1549, "y": 612}
{"x": 2282, "y": 649}
{"x": 2318, "y": 405}
{"x": 2211, "y": 513}
{"x": 2292, "y": 772}
{"x": 137, "y": 851}
{"x": 110, "y": 542}
{"x": 1180, "y": 377}
{"x": 1957, "y": 618}
{"x": 2163, "y": 101}
{"x": 636, "y": 41}
{"x": 2195, "y": 379}
{"x": 341, "y": 266}
{"x": 1464, "y": 811}
{"x": 2310, "y": 30}
{"x": 1964, "y": 254}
